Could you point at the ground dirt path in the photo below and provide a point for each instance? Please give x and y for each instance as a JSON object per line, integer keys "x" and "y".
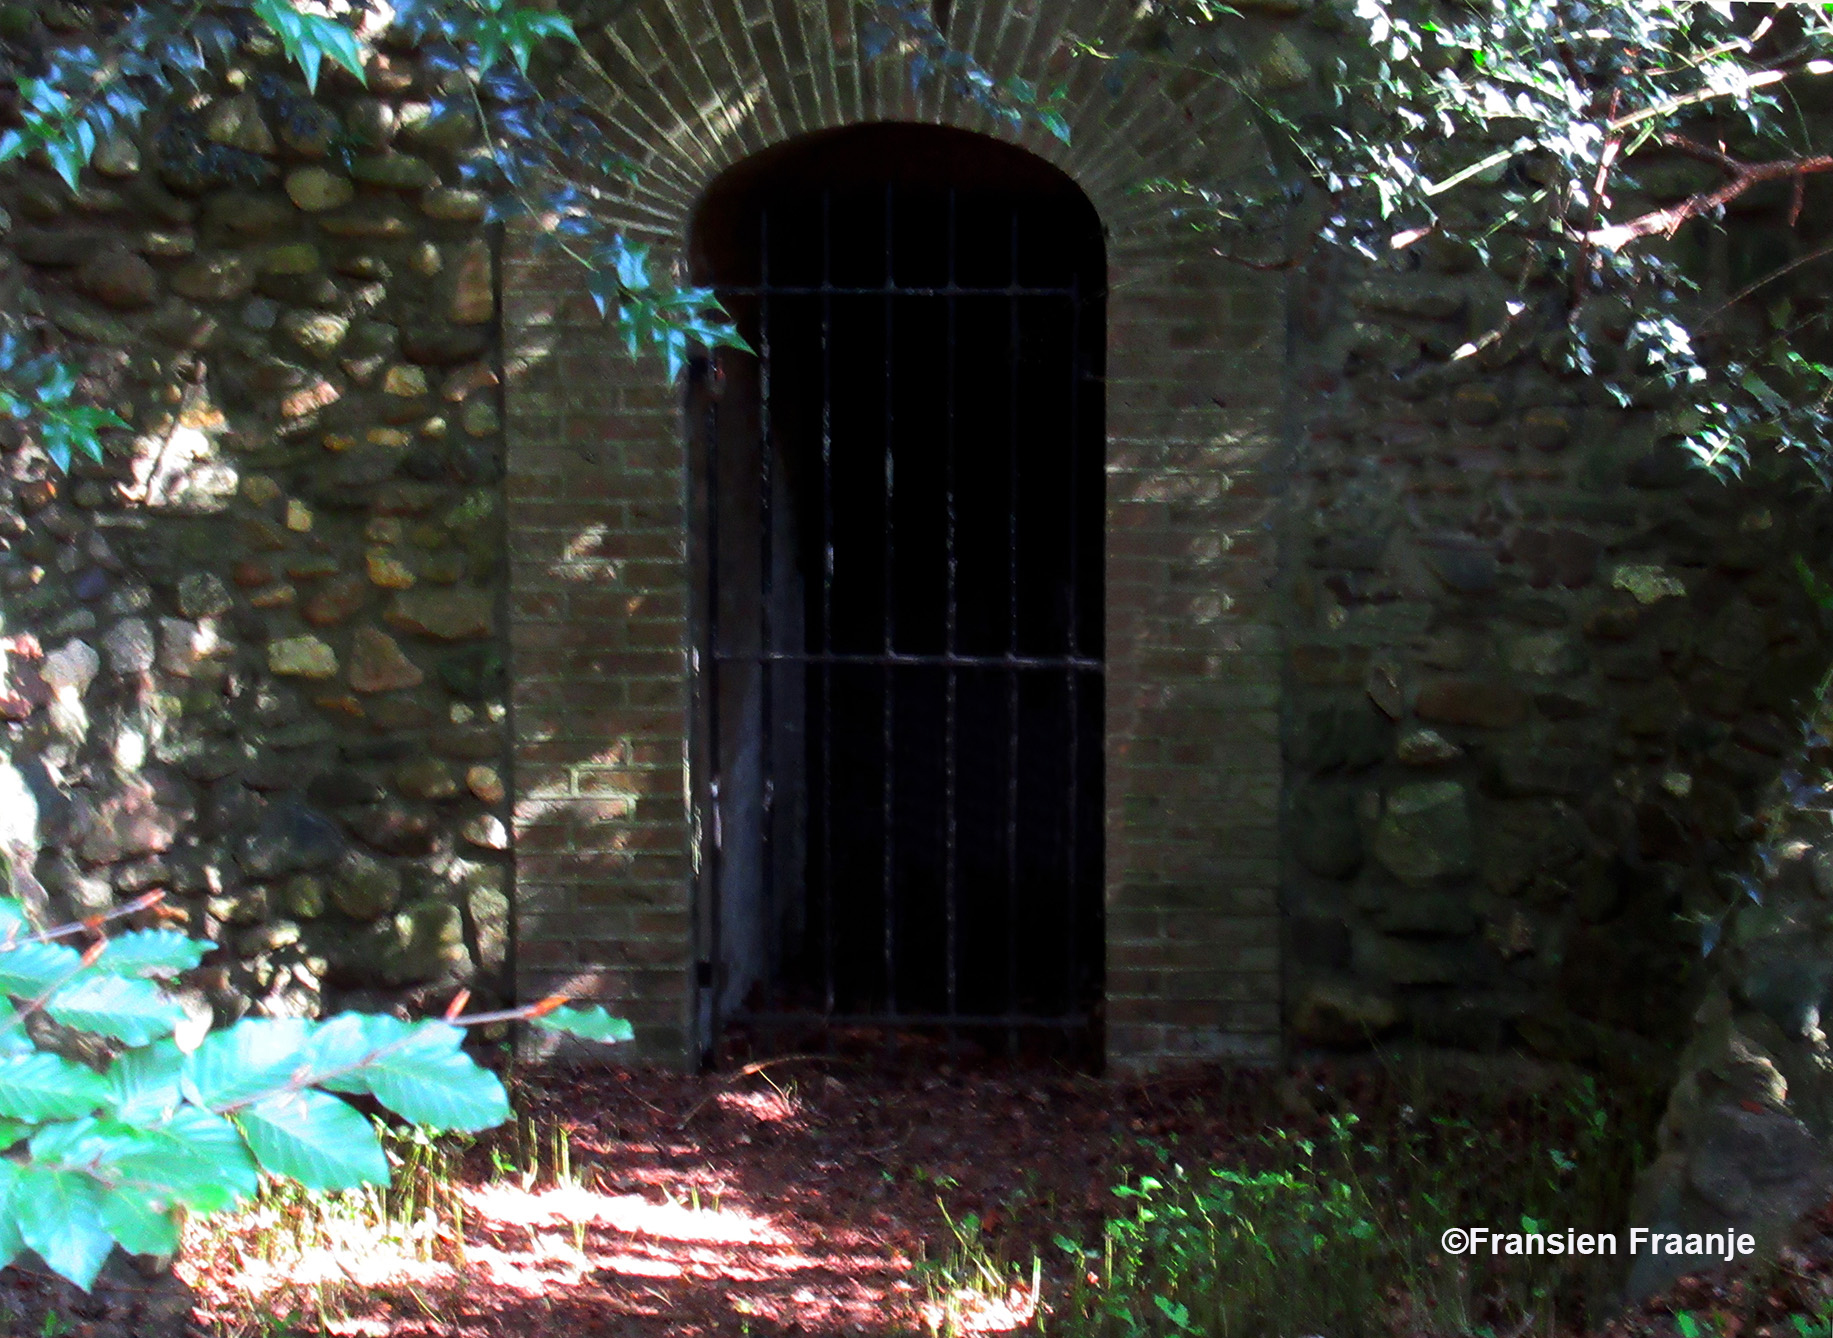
{"x": 808, "y": 1196}
{"x": 814, "y": 1195}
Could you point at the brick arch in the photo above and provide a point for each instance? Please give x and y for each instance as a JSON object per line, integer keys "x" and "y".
{"x": 689, "y": 92}
{"x": 597, "y": 523}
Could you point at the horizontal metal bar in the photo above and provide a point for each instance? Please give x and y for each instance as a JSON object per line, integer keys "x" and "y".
{"x": 898, "y": 660}
{"x": 963, "y": 1020}
{"x": 891, "y": 290}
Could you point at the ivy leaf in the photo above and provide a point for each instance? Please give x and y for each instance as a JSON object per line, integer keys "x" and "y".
{"x": 134, "y": 1011}
{"x": 591, "y": 1024}
{"x": 43, "y": 1086}
{"x": 315, "y": 1139}
{"x": 309, "y": 38}
{"x": 59, "y": 1215}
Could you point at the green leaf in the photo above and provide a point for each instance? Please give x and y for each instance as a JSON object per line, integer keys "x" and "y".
{"x": 134, "y": 1011}
{"x": 43, "y": 1086}
{"x": 13, "y": 1040}
{"x": 59, "y": 1216}
{"x": 416, "y": 1069}
{"x": 11, "y": 1132}
{"x": 315, "y": 1139}
{"x": 10, "y": 1241}
{"x": 140, "y": 1219}
{"x": 591, "y": 1024}
{"x": 152, "y": 952}
{"x": 12, "y": 918}
{"x": 256, "y": 1055}
{"x": 1179, "y": 1315}
{"x": 144, "y": 1083}
{"x": 29, "y": 968}
{"x": 309, "y": 38}
{"x": 196, "y": 1157}
{"x": 71, "y": 1143}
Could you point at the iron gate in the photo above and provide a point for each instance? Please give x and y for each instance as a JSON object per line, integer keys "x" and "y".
{"x": 899, "y": 681}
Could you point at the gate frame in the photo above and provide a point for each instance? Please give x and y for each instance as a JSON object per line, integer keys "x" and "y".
{"x": 1079, "y": 1024}
{"x": 597, "y": 496}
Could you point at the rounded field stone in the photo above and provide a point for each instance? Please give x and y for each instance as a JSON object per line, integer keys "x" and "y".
{"x": 378, "y": 664}
{"x": 119, "y": 279}
{"x": 217, "y": 278}
{"x": 426, "y": 778}
{"x": 1462, "y": 701}
{"x": 444, "y": 614}
{"x": 363, "y": 887}
{"x": 452, "y": 204}
{"x": 1426, "y": 833}
{"x": 301, "y": 657}
{"x": 486, "y": 784}
{"x": 202, "y": 594}
{"x": 395, "y": 171}
{"x": 315, "y": 190}
{"x": 336, "y": 602}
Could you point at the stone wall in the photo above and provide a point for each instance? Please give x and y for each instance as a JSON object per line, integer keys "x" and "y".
{"x": 1540, "y": 670}
{"x": 253, "y": 656}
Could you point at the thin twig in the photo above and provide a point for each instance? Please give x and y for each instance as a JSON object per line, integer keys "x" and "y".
{"x": 1749, "y": 288}
{"x": 748, "y": 1071}
{"x": 89, "y": 924}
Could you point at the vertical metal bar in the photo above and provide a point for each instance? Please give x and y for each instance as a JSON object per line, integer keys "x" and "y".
{"x": 766, "y": 592}
{"x": 714, "y": 838}
{"x": 827, "y": 601}
{"x": 890, "y": 624}
{"x": 1073, "y": 772}
{"x": 951, "y": 908}
{"x": 1012, "y": 907}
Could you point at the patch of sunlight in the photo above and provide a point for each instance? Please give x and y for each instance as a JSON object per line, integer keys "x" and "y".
{"x": 569, "y": 1205}
{"x": 359, "y": 1328}
{"x": 182, "y": 470}
{"x": 341, "y": 1250}
{"x": 972, "y": 1310}
{"x": 550, "y": 1261}
{"x": 770, "y": 1107}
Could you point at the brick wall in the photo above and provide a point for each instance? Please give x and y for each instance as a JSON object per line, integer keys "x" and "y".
{"x": 599, "y": 565}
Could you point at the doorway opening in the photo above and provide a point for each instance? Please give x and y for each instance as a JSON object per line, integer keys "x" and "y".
{"x": 898, "y": 557}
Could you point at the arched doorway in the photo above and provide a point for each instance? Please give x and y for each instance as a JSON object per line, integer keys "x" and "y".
{"x": 897, "y": 753}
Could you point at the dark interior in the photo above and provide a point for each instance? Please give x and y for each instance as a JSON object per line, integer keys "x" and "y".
{"x": 900, "y": 562}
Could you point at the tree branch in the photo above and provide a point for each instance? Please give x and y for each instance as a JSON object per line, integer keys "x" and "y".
{"x": 1743, "y": 176}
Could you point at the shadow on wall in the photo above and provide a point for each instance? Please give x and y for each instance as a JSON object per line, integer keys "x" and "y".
{"x": 253, "y": 657}
{"x": 1558, "y": 771}
{"x": 1747, "y": 1136}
